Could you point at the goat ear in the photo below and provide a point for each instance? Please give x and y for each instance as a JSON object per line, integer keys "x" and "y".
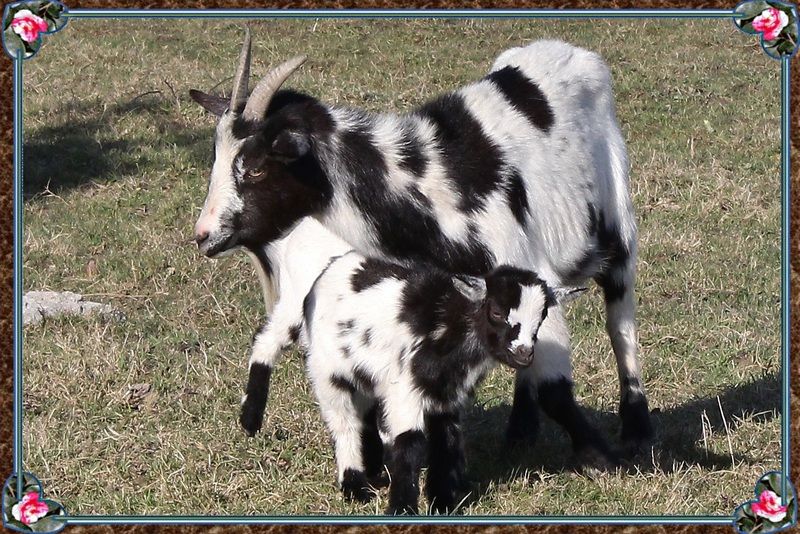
{"x": 213, "y": 104}
{"x": 472, "y": 287}
{"x": 290, "y": 145}
{"x": 563, "y": 295}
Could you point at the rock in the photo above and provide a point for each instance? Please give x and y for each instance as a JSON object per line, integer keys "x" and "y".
{"x": 37, "y": 305}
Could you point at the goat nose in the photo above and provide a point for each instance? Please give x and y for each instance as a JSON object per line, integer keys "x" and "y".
{"x": 523, "y": 354}
{"x": 200, "y": 237}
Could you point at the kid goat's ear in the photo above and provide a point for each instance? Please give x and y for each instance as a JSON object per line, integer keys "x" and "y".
{"x": 472, "y": 287}
{"x": 563, "y": 295}
{"x": 213, "y": 104}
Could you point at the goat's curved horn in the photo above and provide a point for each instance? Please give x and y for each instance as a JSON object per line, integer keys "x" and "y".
{"x": 239, "y": 94}
{"x": 259, "y": 100}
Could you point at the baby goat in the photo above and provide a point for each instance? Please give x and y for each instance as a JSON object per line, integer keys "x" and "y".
{"x": 394, "y": 353}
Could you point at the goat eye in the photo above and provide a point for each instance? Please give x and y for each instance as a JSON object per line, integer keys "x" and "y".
{"x": 496, "y": 316}
{"x": 254, "y": 174}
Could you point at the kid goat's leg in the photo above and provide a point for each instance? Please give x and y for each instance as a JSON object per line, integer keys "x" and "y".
{"x": 336, "y": 396}
{"x": 405, "y": 421}
{"x": 446, "y": 463}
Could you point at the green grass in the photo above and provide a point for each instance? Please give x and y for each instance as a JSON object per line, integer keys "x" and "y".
{"x": 116, "y": 160}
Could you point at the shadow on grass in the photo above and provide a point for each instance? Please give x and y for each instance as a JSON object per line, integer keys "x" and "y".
{"x": 84, "y": 147}
{"x": 679, "y": 435}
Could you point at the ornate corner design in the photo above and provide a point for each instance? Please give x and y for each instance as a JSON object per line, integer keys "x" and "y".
{"x": 774, "y": 22}
{"x": 28, "y": 511}
{"x": 770, "y": 511}
{"x": 24, "y": 23}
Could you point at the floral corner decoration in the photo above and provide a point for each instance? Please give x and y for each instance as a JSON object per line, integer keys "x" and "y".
{"x": 775, "y": 23}
{"x": 25, "y": 22}
{"x": 28, "y": 511}
{"x": 771, "y": 511}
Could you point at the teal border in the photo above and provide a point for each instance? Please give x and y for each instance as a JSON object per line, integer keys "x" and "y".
{"x": 785, "y": 308}
{"x": 395, "y": 13}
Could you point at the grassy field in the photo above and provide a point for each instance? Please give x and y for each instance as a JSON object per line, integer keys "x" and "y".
{"x": 116, "y": 163}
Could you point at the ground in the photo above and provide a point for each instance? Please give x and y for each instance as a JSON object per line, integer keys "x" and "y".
{"x": 140, "y": 417}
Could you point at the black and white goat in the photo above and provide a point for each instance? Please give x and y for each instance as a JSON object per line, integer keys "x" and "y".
{"x": 524, "y": 167}
{"x": 393, "y": 355}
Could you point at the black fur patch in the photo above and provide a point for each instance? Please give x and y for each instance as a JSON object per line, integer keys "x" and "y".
{"x": 472, "y": 161}
{"x": 412, "y": 156}
{"x": 363, "y": 380}
{"x": 517, "y": 197}
{"x": 346, "y": 352}
{"x": 617, "y": 259}
{"x": 251, "y": 415}
{"x": 371, "y": 445}
{"x": 407, "y": 457}
{"x": 342, "y": 383}
{"x": 446, "y": 461}
{"x": 294, "y": 333}
{"x": 373, "y": 271}
{"x": 524, "y": 94}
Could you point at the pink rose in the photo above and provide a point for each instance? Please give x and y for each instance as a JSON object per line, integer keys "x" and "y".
{"x": 27, "y": 25}
{"x": 30, "y": 509}
{"x": 770, "y": 22}
{"x": 769, "y": 506}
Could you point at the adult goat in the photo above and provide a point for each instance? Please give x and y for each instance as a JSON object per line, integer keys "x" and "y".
{"x": 525, "y": 167}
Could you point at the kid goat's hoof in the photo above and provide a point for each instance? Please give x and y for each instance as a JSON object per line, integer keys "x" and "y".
{"x": 251, "y": 419}
{"x": 355, "y": 487}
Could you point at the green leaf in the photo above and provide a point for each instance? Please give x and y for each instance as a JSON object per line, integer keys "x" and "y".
{"x": 54, "y": 508}
{"x": 12, "y": 43}
{"x": 752, "y": 9}
{"x": 748, "y": 27}
{"x": 18, "y": 525}
{"x": 55, "y": 10}
{"x": 29, "y": 480}
{"x": 745, "y": 523}
{"x": 47, "y": 524}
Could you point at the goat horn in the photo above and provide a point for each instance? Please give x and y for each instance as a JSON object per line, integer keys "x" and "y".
{"x": 239, "y": 95}
{"x": 259, "y": 101}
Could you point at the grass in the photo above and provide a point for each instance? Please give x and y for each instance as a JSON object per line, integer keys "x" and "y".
{"x": 116, "y": 160}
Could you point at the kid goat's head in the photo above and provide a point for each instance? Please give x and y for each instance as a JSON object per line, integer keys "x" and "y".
{"x": 262, "y": 180}
{"x": 515, "y": 306}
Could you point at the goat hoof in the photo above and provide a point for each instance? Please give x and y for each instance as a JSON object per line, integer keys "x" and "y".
{"x": 355, "y": 486}
{"x": 379, "y": 480}
{"x": 592, "y": 461}
{"x": 251, "y": 420}
{"x": 637, "y": 430}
